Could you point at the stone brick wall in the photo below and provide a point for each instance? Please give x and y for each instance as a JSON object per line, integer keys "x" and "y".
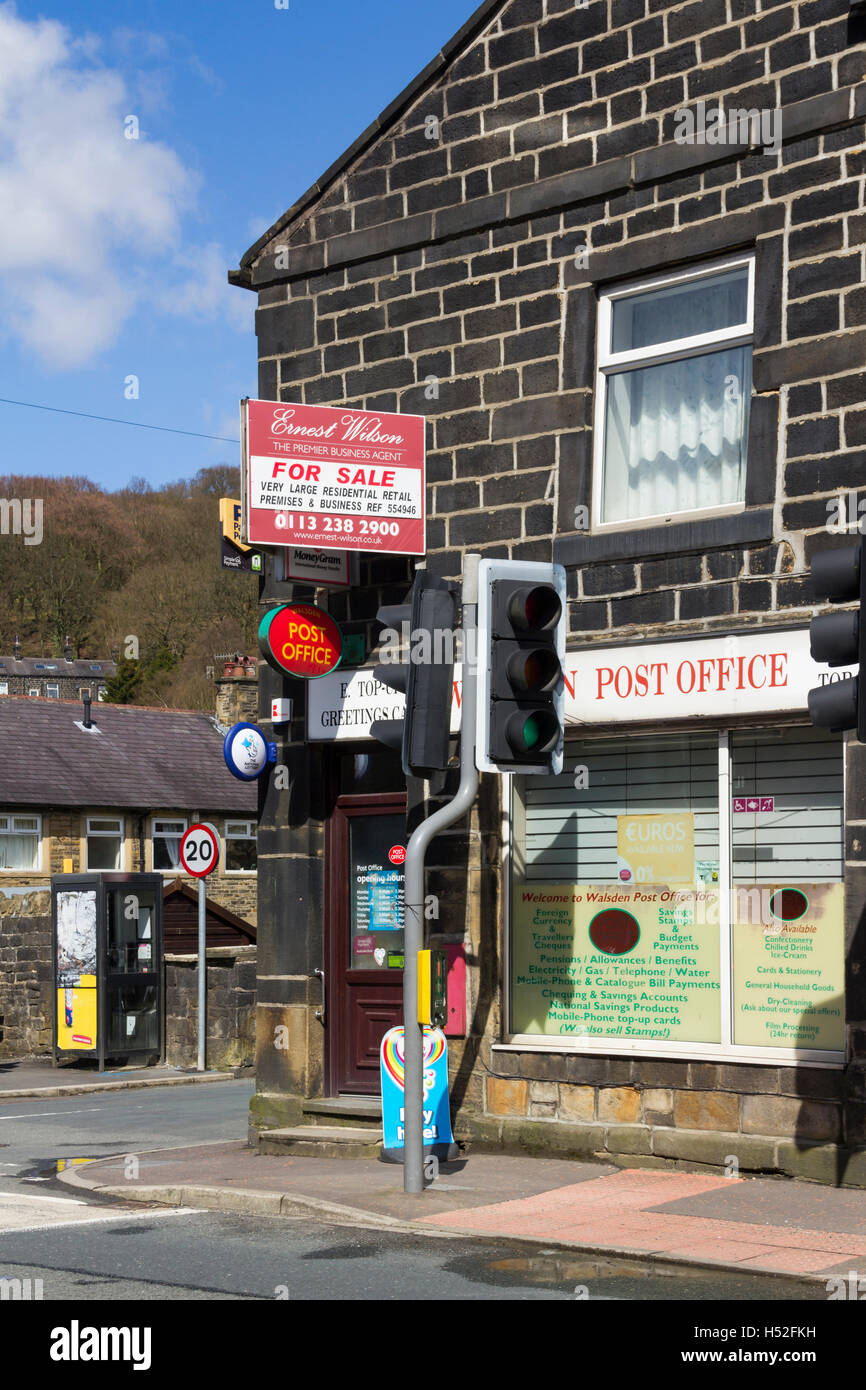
{"x": 452, "y": 269}
{"x": 231, "y": 1007}
{"x": 237, "y": 699}
{"x": 785, "y": 1119}
{"x": 26, "y": 975}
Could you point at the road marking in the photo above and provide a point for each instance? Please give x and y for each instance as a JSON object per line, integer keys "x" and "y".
{"x": 45, "y": 1114}
{"x": 34, "y": 1197}
{"x": 102, "y": 1220}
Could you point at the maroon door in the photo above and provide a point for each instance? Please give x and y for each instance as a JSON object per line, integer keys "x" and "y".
{"x": 365, "y": 936}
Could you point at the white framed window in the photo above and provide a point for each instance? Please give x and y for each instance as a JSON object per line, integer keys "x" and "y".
{"x": 4, "y": 687}
{"x": 33, "y": 690}
{"x": 104, "y": 842}
{"x": 683, "y": 897}
{"x": 166, "y": 835}
{"x": 240, "y": 847}
{"x": 52, "y": 690}
{"x": 672, "y": 394}
{"x": 20, "y": 841}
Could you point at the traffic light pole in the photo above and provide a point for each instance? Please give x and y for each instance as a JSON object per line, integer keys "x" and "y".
{"x": 416, "y": 850}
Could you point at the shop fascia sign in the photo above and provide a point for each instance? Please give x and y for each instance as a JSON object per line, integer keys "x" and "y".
{"x": 744, "y": 674}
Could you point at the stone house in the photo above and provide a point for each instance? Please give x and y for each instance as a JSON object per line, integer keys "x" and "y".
{"x": 115, "y": 796}
{"x": 613, "y": 252}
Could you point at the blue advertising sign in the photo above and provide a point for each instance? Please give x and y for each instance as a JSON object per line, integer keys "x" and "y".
{"x": 438, "y": 1138}
{"x": 247, "y": 752}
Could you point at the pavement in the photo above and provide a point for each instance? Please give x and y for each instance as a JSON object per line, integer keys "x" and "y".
{"x": 37, "y": 1078}
{"x": 763, "y": 1225}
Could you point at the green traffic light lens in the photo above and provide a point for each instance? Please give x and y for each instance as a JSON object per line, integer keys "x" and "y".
{"x": 535, "y": 733}
{"x": 532, "y": 731}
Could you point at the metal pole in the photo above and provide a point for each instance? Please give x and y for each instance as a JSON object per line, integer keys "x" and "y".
{"x": 413, "y": 1066}
{"x": 202, "y": 976}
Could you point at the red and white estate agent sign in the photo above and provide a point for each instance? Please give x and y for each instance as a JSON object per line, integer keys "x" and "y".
{"x": 326, "y": 476}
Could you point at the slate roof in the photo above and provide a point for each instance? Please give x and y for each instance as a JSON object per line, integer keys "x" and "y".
{"x": 140, "y": 758}
{"x": 54, "y": 666}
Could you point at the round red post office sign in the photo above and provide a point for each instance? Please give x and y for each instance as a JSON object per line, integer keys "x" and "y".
{"x": 299, "y": 639}
{"x": 397, "y": 854}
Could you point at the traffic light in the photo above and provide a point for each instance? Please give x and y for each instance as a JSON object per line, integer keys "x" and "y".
{"x": 840, "y": 639}
{"x": 521, "y": 650}
{"x": 426, "y": 623}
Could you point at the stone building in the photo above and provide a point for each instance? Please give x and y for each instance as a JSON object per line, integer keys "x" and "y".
{"x": 55, "y": 677}
{"x": 613, "y": 252}
{"x": 114, "y": 796}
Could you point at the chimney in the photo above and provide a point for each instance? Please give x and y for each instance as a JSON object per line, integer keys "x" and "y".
{"x": 87, "y": 721}
{"x": 238, "y": 691}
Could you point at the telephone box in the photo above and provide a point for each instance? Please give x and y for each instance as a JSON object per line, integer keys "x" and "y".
{"x": 108, "y": 975}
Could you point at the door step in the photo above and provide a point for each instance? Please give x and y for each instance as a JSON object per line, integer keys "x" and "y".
{"x": 340, "y": 1110}
{"x": 322, "y": 1141}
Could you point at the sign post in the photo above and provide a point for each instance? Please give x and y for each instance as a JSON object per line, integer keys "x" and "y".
{"x": 199, "y": 856}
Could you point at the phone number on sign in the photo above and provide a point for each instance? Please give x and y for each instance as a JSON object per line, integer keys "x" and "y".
{"x": 345, "y": 525}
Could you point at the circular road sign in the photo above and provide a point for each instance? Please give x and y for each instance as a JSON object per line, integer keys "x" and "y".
{"x": 199, "y": 850}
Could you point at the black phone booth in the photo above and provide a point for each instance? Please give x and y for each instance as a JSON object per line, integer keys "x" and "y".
{"x": 108, "y": 968}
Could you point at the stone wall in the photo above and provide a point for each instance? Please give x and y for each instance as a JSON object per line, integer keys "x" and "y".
{"x": 793, "y": 1120}
{"x": 231, "y": 1008}
{"x": 26, "y": 974}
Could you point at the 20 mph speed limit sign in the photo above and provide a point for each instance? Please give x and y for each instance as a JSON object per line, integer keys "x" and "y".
{"x": 199, "y": 850}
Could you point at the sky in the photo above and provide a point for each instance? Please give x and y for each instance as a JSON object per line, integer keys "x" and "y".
{"x": 144, "y": 146}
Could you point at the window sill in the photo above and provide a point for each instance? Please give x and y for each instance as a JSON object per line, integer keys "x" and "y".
{"x": 742, "y": 528}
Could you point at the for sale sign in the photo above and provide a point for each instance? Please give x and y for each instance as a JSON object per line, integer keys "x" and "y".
{"x": 329, "y": 477}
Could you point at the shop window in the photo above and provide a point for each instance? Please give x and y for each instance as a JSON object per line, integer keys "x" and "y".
{"x": 104, "y": 843}
{"x": 684, "y": 893}
{"x": 19, "y": 842}
{"x": 240, "y": 850}
{"x": 166, "y": 836}
{"x": 672, "y": 395}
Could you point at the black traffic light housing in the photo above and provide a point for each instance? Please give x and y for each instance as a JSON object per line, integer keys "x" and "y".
{"x": 839, "y": 639}
{"x": 521, "y": 654}
{"x": 426, "y": 624}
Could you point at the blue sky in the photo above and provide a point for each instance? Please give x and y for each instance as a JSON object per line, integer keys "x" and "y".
{"x": 113, "y": 259}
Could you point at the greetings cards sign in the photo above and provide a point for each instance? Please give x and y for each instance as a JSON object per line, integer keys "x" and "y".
{"x": 329, "y": 477}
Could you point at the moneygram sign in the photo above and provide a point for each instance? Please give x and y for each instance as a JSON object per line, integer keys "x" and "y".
{"x": 328, "y": 477}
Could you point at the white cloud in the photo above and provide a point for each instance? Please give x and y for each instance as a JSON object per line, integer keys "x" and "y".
{"x": 203, "y": 291}
{"x": 91, "y": 219}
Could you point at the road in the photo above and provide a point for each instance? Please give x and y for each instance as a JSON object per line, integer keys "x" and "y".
{"x": 85, "y": 1248}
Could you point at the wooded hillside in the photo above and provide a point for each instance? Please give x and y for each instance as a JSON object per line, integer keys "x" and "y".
{"x": 139, "y": 563}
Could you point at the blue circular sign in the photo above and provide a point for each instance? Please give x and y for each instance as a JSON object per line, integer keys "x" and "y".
{"x": 245, "y": 751}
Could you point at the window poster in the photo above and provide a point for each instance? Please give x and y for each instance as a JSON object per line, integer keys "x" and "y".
{"x": 789, "y": 965}
{"x": 617, "y": 961}
{"x": 657, "y": 848}
{"x": 76, "y": 936}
